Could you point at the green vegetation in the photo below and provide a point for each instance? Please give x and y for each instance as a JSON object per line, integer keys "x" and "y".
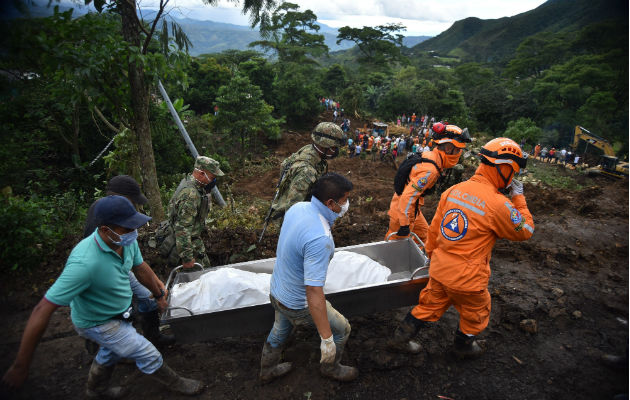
{"x": 73, "y": 85}
{"x": 549, "y": 174}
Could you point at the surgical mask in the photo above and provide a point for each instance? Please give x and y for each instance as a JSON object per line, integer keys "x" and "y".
{"x": 204, "y": 174}
{"x": 126, "y": 239}
{"x": 344, "y": 207}
{"x": 335, "y": 154}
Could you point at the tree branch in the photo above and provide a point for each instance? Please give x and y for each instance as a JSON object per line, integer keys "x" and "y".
{"x": 107, "y": 123}
{"x": 145, "y": 46}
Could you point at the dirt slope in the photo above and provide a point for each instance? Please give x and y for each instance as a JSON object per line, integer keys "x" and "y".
{"x": 571, "y": 277}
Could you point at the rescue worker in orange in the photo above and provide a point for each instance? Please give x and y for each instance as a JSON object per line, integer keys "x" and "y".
{"x": 470, "y": 217}
{"x": 404, "y": 210}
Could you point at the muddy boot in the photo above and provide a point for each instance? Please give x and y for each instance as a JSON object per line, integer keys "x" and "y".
{"x": 98, "y": 383}
{"x": 150, "y": 323}
{"x": 337, "y": 371}
{"x": 270, "y": 366}
{"x": 406, "y": 329}
{"x": 169, "y": 378}
{"x": 466, "y": 346}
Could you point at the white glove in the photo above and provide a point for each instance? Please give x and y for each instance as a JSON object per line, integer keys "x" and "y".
{"x": 516, "y": 187}
{"x": 328, "y": 349}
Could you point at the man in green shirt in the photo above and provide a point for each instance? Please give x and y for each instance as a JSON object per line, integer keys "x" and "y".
{"x": 95, "y": 284}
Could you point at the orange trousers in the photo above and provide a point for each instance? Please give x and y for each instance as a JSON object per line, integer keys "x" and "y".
{"x": 418, "y": 225}
{"x": 473, "y": 307}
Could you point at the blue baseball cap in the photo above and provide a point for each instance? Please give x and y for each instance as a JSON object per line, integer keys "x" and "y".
{"x": 117, "y": 210}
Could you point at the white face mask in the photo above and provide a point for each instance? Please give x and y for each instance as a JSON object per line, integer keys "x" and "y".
{"x": 344, "y": 207}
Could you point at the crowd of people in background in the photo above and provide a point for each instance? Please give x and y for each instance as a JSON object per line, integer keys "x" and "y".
{"x": 554, "y": 156}
{"x": 379, "y": 147}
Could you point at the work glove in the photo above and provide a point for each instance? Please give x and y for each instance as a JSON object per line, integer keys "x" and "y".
{"x": 328, "y": 349}
{"x": 403, "y": 231}
{"x": 516, "y": 187}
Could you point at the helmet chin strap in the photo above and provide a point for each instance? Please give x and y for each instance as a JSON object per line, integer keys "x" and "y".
{"x": 317, "y": 149}
{"x": 505, "y": 180}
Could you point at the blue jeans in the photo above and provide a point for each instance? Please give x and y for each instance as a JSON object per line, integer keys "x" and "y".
{"x": 287, "y": 318}
{"x": 142, "y": 294}
{"x": 119, "y": 339}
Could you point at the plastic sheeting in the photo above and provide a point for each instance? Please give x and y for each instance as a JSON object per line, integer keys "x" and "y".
{"x": 227, "y": 288}
{"x": 348, "y": 270}
{"x": 221, "y": 289}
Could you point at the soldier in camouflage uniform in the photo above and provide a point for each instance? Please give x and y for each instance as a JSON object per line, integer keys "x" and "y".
{"x": 303, "y": 168}
{"x": 187, "y": 213}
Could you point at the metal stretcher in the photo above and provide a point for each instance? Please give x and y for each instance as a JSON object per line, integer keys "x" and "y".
{"x": 403, "y": 257}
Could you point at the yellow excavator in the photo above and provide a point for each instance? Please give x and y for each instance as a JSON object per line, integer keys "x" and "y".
{"x": 608, "y": 164}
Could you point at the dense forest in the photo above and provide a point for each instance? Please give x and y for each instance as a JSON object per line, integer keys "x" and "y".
{"x": 80, "y": 101}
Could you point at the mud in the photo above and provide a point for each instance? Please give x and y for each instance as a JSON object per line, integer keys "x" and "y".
{"x": 571, "y": 278}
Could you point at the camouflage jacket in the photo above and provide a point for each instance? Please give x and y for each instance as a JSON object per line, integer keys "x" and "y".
{"x": 303, "y": 168}
{"x": 187, "y": 213}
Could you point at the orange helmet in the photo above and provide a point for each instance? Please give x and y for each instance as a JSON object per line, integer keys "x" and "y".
{"x": 453, "y": 134}
{"x": 503, "y": 151}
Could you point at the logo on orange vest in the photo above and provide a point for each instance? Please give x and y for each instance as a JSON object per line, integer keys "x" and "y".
{"x": 422, "y": 181}
{"x": 515, "y": 216}
{"x": 454, "y": 224}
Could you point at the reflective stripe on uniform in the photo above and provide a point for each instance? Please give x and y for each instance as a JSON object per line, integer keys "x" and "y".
{"x": 468, "y": 206}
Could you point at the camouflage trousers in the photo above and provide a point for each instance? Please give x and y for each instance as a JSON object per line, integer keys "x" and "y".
{"x": 199, "y": 251}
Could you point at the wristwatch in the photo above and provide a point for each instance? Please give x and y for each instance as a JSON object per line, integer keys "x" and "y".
{"x": 162, "y": 293}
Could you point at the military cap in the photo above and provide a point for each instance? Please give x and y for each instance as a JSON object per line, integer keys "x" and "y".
{"x": 208, "y": 164}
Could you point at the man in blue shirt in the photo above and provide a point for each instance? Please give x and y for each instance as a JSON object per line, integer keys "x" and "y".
{"x": 305, "y": 247}
{"x": 95, "y": 284}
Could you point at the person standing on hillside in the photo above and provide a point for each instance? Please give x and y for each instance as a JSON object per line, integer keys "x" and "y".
{"x": 470, "y": 217}
{"x": 419, "y": 174}
{"x": 124, "y": 185}
{"x": 187, "y": 213}
{"x": 95, "y": 284}
{"x": 304, "y": 167}
{"x": 305, "y": 248}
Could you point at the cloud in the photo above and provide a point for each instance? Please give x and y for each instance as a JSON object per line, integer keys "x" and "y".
{"x": 421, "y": 17}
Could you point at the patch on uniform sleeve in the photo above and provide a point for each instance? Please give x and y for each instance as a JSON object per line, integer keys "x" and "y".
{"x": 454, "y": 224}
{"x": 422, "y": 182}
{"x": 516, "y": 217}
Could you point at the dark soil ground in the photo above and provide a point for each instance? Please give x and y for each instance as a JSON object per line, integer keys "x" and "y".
{"x": 571, "y": 278}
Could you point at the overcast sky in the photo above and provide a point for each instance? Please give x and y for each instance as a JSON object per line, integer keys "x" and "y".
{"x": 421, "y": 17}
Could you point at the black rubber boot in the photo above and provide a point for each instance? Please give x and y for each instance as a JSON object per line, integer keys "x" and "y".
{"x": 406, "y": 329}
{"x": 98, "y": 383}
{"x": 169, "y": 378}
{"x": 150, "y": 324}
{"x": 337, "y": 371}
{"x": 466, "y": 346}
{"x": 270, "y": 366}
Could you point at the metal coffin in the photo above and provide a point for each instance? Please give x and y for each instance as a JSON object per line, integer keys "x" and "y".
{"x": 403, "y": 257}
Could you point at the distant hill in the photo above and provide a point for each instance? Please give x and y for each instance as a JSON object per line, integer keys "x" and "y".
{"x": 214, "y": 37}
{"x": 206, "y": 36}
{"x": 494, "y": 40}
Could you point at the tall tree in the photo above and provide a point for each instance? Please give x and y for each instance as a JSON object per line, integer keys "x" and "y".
{"x": 289, "y": 33}
{"x": 377, "y": 44}
{"x": 139, "y": 34}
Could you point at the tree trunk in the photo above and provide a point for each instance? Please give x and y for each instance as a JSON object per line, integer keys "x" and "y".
{"x": 140, "y": 119}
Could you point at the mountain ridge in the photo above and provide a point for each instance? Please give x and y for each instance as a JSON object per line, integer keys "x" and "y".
{"x": 493, "y": 40}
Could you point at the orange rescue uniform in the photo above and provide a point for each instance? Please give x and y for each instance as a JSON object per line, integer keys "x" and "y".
{"x": 405, "y": 209}
{"x": 470, "y": 217}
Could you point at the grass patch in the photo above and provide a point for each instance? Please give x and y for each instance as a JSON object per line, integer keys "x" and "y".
{"x": 554, "y": 175}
